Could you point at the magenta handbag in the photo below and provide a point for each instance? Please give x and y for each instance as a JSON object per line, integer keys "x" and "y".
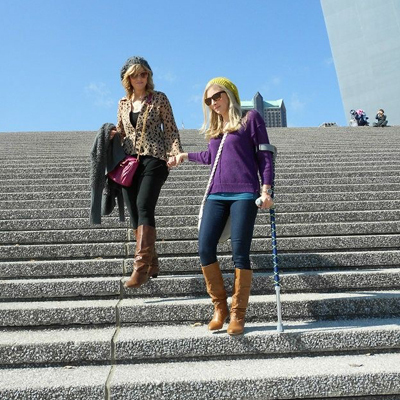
{"x": 123, "y": 173}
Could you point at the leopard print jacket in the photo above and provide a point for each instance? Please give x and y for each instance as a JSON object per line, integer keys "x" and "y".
{"x": 161, "y": 138}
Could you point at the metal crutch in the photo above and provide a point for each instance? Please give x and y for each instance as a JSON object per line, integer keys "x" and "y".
{"x": 273, "y": 150}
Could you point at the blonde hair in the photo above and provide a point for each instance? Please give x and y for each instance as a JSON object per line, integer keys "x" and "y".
{"x": 213, "y": 124}
{"x": 134, "y": 70}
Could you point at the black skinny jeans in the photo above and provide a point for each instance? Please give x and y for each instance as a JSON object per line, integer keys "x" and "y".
{"x": 141, "y": 197}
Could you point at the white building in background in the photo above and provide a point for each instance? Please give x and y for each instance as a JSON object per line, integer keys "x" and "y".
{"x": 273, "y": 111}
{"x": 365, "y": 41}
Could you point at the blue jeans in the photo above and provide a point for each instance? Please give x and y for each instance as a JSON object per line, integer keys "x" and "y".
{"x": 215, "y": 214}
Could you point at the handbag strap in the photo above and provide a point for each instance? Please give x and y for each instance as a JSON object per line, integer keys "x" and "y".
{"x": 221, "y": 145}
{"x": 146, "y": 114}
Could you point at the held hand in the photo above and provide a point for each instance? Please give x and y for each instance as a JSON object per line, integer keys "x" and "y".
{"x": 171, "y": 162}
{"x": 180, "y": 158}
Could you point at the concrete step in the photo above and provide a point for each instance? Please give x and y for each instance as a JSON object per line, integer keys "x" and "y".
{"x": 305, "y": 377}
{"x": 304, "y": 337}
{"x": 177, "y": 310}
{"x": 56, "y": 346}
{"x": 190, "y": 220}
{"x": 188, "y": 188}
{"x": 190, "y": 247}
{"x": 123, "y": 234}
{"x": 54, "y": 383}
{"x": 100, "y": 266}
{"x": 297, "y": 306}
{"x": 307, "y": 178}
{"x": 191, "y": 171}
{"x": 59, "y": 251}
{"x": 189, "y": 285}
{"x": 60, "y": 288}
{"x": 62, "y": 268}
{"x": 340, "y": 195}
{"x": 72, "y": 346}
{"x": 58, "y": 313}
{"x": 193, "y": 209}
{"x": 24, "y": 226}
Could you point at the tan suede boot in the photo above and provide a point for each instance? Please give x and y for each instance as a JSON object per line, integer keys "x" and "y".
{"x": 145, "y": 239}
{"x": 240, "y": 299}
{"x": 216, "y": 290}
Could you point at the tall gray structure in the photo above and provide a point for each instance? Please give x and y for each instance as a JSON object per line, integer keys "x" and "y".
{"x": 365, "y": 41}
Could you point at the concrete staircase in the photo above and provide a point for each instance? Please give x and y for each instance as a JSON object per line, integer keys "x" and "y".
{"x": 69, "y": 330}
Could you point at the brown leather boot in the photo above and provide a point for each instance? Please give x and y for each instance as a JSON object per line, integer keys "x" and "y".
{"x": 216, "y": 290}
{"x": 240, "y": 299}
{"x": 145, "y": 239}
{"x": 154, "y": 267}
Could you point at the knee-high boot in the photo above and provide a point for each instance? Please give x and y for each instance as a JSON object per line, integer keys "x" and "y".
{"x": 145, "y": 240}
{"x": 240, "y": 299}
{"x": 216, "y": 290}
{"x": 154, "y": 266}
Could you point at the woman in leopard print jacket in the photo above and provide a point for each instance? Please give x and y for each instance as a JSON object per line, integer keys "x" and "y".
{"x": 146, "y": 122}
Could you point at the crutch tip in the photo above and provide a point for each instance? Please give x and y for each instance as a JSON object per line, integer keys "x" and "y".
{"x": 279, "y": 328}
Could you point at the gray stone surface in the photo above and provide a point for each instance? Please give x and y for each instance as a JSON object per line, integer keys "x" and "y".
{"x": 72, "y": 383}
{"x": 305, "y": 337}
{"x": 190, "y": 285}
{"x": 67, "y": 287}
{"x": 65, "y": 236}
{"x": 263, "y": 283}
{"x": 263, "y": 307}
{"x": 57, "y": 251}
{"x": 289, "y": 244}
{"x": 55, "y": 268}
{"x": 83, "y": 312}
{"x": 260, "y": 379}
{"x": 339, "y": 255}
{"x": 55, "y": 346}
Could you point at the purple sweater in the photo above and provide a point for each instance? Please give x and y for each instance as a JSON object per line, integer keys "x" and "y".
{"x": 239, "y": 164}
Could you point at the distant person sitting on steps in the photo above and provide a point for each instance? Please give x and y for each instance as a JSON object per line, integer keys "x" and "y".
{"x": 359, "y": 117}
{"x": 381, "y": 117}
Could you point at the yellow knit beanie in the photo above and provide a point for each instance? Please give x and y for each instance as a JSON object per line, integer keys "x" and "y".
{"x": 226, "y": 83}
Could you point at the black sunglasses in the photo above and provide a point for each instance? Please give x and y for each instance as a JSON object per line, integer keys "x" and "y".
{"x": 215, "y": 97}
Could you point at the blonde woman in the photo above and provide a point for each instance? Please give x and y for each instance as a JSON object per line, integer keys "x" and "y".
{"x": 234, "y": 189}
{"x": 146, "y": 123}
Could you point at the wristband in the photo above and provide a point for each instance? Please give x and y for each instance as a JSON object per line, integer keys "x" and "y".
{"x": 267, "y": 191}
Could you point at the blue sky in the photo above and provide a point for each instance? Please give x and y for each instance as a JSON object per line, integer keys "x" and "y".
{"x": 61, "y": 59}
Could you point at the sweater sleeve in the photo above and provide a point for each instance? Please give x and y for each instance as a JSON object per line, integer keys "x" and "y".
{"x": 172, "y": 138}
{"x": 202, "y": 157}
{"x": 260, "y": 136}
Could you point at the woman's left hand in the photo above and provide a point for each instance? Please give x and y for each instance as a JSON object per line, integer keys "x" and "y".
{"x": 267, "y": 201}
{"x": 113, "y": 132}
